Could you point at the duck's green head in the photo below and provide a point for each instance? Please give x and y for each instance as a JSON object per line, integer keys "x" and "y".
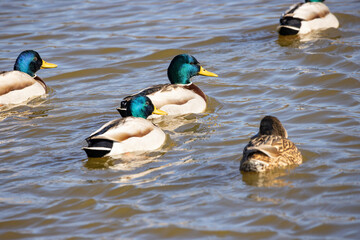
{"x": 30, "y": 62}
{"x": 314, "y": 0}
{"x": 183, "y": 67}
{"x": 270, "y": 125}
{"x": 141, "y": 106}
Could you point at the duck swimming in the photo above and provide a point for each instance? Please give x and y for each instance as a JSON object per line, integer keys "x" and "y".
{"x": 303, "y": 18}
{"x": 22, "y": 84}
{"x": 181, "y": 96}
{"x": 270, "y": 148}
{"x": 129, "y": 134}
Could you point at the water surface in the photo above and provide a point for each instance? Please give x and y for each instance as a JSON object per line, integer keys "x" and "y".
{"x": 192, "y": 187}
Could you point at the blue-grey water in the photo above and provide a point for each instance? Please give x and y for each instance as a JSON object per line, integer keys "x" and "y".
{"x": 191, "y": 188}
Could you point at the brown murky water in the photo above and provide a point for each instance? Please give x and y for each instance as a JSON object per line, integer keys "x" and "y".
{"x": 192, "y": 188}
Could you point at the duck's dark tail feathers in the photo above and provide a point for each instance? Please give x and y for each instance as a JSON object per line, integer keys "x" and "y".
{"x": 289, "y": 26}
{"x": 98, "y": 147}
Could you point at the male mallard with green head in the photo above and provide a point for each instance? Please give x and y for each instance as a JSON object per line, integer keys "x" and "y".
{"x": 270, "y": 148}
{"x": 129, "y": 134}
{"x": 303, "y": 18}
{"x": 23, "y": 84}
{"x": 181, "y": 96}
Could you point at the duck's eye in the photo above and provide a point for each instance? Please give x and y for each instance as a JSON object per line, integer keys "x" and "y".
{"x": 35, "y": 59}
{"x": 147, "y": 103}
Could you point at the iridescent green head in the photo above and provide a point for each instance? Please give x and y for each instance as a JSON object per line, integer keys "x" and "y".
{"x": 30, "y": 62}
{"x": 183, "y": 67}
{"x": 141, "y": 106}
{"x": 314, "y": 0}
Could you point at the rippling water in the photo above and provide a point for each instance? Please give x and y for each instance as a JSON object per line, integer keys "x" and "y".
{"x": 192, "y": 188}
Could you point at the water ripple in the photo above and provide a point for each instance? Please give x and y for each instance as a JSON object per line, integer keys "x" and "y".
{"x": 191, "y": 188}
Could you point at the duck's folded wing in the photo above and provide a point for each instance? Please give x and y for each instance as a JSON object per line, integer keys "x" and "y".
{"x": 270, "y": 146}
{"x": 147, "y": 91}
{"x": 274, "y": 147}
{"x": 308, "y": 11}
{"x": 269, "y": 151}
{"x": 120, "y": 130}
{"x": 172, "y": 95}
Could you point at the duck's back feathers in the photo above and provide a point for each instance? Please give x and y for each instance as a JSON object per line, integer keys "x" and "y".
{"x": 309, "y": 11}
{"x": 124, "y": 128}
{"x": 17, "y": 87}
{"x": 124, "y": 135}
{"x": 172, "y": 98}
{"x": 268, "y": 152}
{"x": 302, "y": 18}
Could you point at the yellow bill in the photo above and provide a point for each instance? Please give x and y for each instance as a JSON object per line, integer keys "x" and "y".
{"x": 159, "y": 112}
{"x": 47, "y": 65}
{"x": 206, "y": 73}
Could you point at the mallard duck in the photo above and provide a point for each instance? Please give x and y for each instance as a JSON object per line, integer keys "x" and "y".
{"x": 181, "y": 96}
{"x": 270, "y": 148}
{"x": 129, "y": 134}
{"x": 305, "y": 17}
{"x": 23, "y": 84}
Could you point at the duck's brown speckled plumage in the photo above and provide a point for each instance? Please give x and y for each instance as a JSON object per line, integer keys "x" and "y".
{"x": 270, "y": 148}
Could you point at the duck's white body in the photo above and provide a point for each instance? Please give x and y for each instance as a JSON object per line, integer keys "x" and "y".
{"x": 130, "y": 134}
{"x": 303, "y": 18}
{"x": 175, "y": 99}
{"x": 17, "y": 87}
